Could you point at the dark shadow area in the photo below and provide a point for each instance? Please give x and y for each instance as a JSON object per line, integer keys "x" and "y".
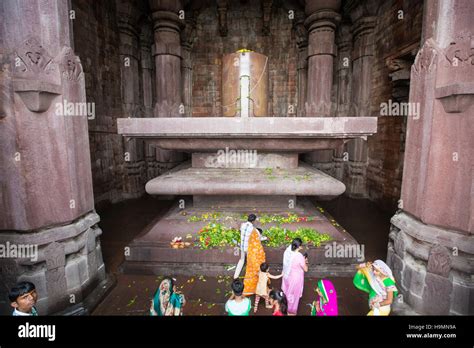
{"x": 365, "y": 221}
{"x": 121, "y": 222}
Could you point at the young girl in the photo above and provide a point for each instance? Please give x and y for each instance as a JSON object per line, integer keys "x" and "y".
{"x": 279, "y": 303}
{"x": 263, "y": 285}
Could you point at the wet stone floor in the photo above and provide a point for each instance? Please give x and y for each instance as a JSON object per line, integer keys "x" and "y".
{"x": 207, "y": 296}
{"x": 132, "y": 294}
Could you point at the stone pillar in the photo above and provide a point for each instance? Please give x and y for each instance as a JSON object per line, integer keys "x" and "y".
{"x": 167, "y": 55}
{"x": 321, "y": 23}
{"x": 129, "y": 59}
{"x": 362, "y": 15}
{"x": 344, "y": 69}
{"x": 187, "y": 40}
{"x": 132, "y": 103}
{"x": 302, "y": 68}
{"x": 146, "y": 64}
{"x": 431, "y": 244}
{"x": 47, "y": 205}
{"x": 344, "y": 85}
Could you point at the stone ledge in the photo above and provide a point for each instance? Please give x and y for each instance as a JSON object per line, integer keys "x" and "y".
{"x": 433, "y": 234}
{"x": 286, "y": 127}
{"x": 302, "y": 181}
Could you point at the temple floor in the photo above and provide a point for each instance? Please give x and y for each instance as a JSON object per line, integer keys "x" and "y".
{"x": 206, "y": 295}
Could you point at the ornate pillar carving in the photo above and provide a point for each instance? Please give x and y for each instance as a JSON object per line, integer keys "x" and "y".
{"x": 188, "y": 36}
{"x": 146, "y": 64}
{"x": 222, "y": 16}
{"x": 344, "y": 69}
{"x": 364, "y": 21}
{"x": 131, "y": 85}
{"x": 267, "y": 13}
{"x": 302, "y": 67}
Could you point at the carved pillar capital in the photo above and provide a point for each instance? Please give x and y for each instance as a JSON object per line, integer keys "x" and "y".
{"x": 267, "y": 12}
{"x": 321, "y": 26}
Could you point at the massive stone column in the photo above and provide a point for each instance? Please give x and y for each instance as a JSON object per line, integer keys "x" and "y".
{"x": 431, "y": 248}
{"x": 167, "y": 55}
{"x": 321, "y": 21}
{"x": 47, "y": 205}
{"x": 364, "y": 21}
{"x": 132, "y": 103}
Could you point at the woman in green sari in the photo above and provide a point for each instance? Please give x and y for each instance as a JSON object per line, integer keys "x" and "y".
{"x": 167, "y": 302}
{"x": 377, "y": 280}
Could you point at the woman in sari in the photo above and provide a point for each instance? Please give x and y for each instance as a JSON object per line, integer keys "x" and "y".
{"x": 255, "y": 257}
{"x": 294, "y": 267}
{"x": 167, "y": 302}
{"x": 326, "y": 304}
{"x": 377, "y": 280}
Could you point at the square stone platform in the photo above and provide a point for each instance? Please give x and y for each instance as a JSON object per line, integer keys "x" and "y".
{"x": 151, "y": 253}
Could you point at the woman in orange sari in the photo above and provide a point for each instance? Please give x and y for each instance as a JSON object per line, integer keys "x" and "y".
{"x": 255, "y": 257}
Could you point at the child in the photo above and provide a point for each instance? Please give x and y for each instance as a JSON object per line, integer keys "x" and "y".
{"x": 279, "y": 303}
{"x": 23, "y": 298}
{"x": 263, "y": 285}
{"x": 237, "y": 303}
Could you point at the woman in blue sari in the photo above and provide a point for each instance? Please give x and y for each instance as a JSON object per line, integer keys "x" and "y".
{"x": 167, "y": 302}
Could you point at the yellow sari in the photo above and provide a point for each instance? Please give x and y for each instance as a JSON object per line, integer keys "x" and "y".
{"x": 255, "y": 257}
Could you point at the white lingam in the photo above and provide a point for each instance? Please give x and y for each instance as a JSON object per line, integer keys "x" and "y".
{"x": 244, "y": 77}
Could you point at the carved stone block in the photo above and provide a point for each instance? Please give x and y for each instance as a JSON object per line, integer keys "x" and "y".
{"x": 439, "y": 261}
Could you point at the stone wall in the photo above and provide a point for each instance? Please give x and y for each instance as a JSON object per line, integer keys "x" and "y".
{"x": 395, "y": 39}
{"x": 245, "y": 30}
{"x": 96, "y": 41}
{"x": 120, "y": 168}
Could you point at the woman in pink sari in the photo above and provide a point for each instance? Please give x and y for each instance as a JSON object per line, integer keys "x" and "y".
{"x": 326, "y": 304}
{"x": 294, "y": 267}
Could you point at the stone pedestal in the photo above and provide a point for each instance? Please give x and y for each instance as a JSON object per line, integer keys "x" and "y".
{"x": 230, "y": 158}
{"x": 432, "y": 242}
{"x": 46, "y": 183}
